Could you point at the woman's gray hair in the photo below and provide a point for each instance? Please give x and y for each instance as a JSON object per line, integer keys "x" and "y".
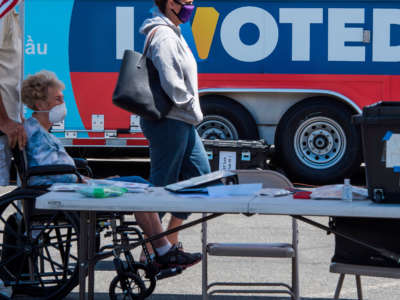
{"x": 35, "y": 87}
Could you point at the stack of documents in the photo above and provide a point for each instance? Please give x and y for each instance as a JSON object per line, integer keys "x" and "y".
{"x": 131, "y": 187}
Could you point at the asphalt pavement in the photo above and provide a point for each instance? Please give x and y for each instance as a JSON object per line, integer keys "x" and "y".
{"x": 315, "y": 252}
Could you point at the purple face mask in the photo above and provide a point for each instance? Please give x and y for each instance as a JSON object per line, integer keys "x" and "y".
{"x": 185, "y": 13}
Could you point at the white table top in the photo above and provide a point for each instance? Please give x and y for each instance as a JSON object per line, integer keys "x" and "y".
{"x": 335, "y": 208}
{"x": 160, "y": 200}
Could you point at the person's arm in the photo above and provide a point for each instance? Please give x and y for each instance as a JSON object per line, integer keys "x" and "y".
{"x": 172, "y": 80}
{"x": 14, "y": 130}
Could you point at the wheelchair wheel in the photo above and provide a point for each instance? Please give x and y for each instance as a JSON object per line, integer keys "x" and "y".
{"x": 128, "y": 286}
{"x": 147, "y": 277}
{"x": 39, "y": 259}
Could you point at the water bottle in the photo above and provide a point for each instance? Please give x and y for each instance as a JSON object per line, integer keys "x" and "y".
{"x": 347, "y": 193}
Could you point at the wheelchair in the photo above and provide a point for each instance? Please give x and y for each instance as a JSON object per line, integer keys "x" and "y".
{"x": 39, "y": 249}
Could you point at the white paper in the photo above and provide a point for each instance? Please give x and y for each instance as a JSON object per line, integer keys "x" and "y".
{"x": 132, "y": 187}
{"x": 274, "y": 192}
{"x": 393, "y": 151}
{"x": 65, "y": 187}
{"x": 246, "y": 189}
{"x": 227, "y": 160}
{"x": 334, "y": 191}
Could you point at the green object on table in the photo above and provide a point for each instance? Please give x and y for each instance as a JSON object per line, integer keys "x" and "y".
{"x": 99, "y": 191}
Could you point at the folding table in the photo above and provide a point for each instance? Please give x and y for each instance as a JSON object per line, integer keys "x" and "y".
{"x": 160, "y": 200}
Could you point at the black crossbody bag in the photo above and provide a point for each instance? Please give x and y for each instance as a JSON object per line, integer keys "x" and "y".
{"x": 138, "y": 88}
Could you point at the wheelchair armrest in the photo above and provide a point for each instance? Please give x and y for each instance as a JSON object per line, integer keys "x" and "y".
{"x": 83, "y": 166}
{"x": 52, "y": 170}
{"x": 81, "y": 163}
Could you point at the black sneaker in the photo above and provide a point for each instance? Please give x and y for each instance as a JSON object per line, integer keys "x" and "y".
{"x": 175, "y": 257}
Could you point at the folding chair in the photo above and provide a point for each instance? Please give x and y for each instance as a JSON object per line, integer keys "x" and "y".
{"x": 269, "y": 179}
{"x": 358, "y": 271}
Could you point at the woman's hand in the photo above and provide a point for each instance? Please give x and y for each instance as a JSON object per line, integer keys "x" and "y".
{"x": 85, "y": 179}
{"x": 15, "y": 132}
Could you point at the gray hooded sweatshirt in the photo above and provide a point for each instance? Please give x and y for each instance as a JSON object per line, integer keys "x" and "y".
{"x": 177, "y": 67}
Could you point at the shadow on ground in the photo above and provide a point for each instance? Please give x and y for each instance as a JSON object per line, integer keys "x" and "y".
{"x": 104, "y": 296}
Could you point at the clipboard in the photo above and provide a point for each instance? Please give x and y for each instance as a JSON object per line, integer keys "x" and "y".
{"x": 197, "y": 184}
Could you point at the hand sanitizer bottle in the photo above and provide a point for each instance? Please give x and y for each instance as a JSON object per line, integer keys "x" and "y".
{"x": 347, "y": 193}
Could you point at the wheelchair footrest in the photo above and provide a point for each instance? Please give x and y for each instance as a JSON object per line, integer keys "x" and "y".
{"x": 166, "y": 273}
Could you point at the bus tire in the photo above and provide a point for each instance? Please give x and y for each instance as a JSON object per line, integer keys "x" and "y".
{"x": 226, "y": 119}
{"x": 316, "y": 141}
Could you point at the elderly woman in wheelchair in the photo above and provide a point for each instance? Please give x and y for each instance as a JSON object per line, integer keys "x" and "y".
{"x": 39, "y": 249}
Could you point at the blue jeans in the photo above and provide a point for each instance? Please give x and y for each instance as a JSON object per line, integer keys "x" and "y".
{"x": 176, "y": 153}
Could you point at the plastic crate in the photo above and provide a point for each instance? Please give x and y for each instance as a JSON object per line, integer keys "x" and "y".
{"x": 237, "y": 154}
{"x": 375, "y": 232}
{"x": 380, "y": 128}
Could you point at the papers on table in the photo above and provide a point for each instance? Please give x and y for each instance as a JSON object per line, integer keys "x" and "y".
{"x": 247, "y": 189}
{"x": 334, "y": 192}
{"x": 132, "y": 187}
{"x": 66, "y": 187}
{"x": 274, "y": 192}
{"x": 218, "y": 191}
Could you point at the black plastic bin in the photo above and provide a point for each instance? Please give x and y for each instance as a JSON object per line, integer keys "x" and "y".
{"x": 379, "y": 123}
{"x": 237, "y": 154}
{"x": 378, "y": 233}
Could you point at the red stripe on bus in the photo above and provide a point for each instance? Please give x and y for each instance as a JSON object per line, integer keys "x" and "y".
{"x": 93, "y": 90}
{"x": 89, "y": 142}
{"x": 137, "y": 143}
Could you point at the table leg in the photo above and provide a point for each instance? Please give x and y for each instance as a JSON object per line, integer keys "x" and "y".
{"x": 82, "y": 254}
{"x": 91, "y": 253}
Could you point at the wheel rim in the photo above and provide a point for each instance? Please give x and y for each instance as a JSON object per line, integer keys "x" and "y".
{"x": 217, "y": 127}
{"x": 132, "y": 283}
{"x": 149, "y": 281}
{"x": 320, "y": 143}
{"x": 44, "y": 263}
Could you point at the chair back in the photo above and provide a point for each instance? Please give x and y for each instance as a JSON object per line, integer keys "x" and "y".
{"x": 269, "y": 178}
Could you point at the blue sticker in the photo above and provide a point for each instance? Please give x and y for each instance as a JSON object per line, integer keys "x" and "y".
{"x": 396, "y": 169}
{"x": 387, "y": 136}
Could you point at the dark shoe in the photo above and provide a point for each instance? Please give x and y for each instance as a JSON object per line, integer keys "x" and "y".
{"x": 179, "y": 245}
{"x": 175, "y": 257}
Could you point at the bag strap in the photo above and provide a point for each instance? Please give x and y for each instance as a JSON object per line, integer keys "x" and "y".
{"x": 149, "y": 39}
{"x": 147, "y": 43}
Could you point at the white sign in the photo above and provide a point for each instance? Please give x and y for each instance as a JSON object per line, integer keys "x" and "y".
{"x": 393, "y": 151}
{"x": 227, "y": 160}
{"x": 97, "y": 122}
{"x": 135, "y": 124}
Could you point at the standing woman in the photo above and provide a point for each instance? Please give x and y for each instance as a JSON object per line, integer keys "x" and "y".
{"x": 176, "y": 150}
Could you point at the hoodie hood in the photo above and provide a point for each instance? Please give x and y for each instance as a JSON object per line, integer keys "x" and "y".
{"x": 158, "y": 19}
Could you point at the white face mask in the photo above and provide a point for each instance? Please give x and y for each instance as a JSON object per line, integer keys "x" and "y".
{"x": 57, "y": 113}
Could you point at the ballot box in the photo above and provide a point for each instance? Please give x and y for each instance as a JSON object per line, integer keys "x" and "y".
{"x": 379, "y": 233}
{"x": 237, "y": 154}
{"x": 380, "y": 130}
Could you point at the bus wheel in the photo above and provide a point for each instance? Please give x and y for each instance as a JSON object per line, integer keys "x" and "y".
{"x": 226, "y": 119}
{"x": 316, "y": 141}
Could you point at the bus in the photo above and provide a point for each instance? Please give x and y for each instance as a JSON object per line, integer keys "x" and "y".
{"x": 290, "y": 72}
